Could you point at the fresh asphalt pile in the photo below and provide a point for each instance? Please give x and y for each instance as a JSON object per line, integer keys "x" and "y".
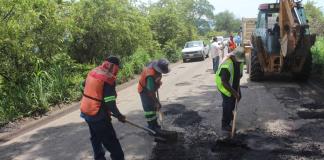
{"x": 197, "y": 140}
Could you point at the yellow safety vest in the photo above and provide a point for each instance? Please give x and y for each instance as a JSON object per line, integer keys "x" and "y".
{"x": 229, "y": 65}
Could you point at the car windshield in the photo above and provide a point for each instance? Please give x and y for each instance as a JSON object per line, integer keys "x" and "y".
{"x": 193, "y": 44}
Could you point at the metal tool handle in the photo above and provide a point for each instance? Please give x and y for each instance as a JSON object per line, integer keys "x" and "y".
{"x": 140, "y": 127}
{"x": 160, "y": 113}
{"x": 234, "y": 119}
{"x": 137, "y": 126}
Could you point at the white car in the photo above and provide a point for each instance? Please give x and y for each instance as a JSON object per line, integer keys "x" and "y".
{"x": 226, "y": 41}
{"x": 195, "y": 49}
{"x": 220, "y": 39}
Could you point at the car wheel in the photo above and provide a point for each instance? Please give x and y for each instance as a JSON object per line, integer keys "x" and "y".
{"x": 202, "y": 57}
{"x": 184, "y": 60}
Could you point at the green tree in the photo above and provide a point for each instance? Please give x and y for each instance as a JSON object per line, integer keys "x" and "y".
{"x": 32, "y": 34}
{"x": 315, "y": 17}
{"x": 106, "y": 27}
{"x": 197, "y": 12}
{"x": 226, "y": 21}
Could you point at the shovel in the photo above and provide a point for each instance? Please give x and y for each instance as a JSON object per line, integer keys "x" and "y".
{"x": 160, "y": 113}
{"x": 230, "y": 142}
{"x": 234, "y": 120}
{"x": 158, "y": 137}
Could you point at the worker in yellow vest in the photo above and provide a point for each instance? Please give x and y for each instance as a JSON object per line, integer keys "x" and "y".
{"x": 98, "y": 104}
{"x": 227, "y": 79}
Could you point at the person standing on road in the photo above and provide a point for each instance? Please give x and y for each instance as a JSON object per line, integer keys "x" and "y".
{"x": 232, "y": 44}
{"x": 97, "y": 105}
{"x": 227, "y": 80}
{"x": 215, "y": 49}
{"x": 149, "y": 83}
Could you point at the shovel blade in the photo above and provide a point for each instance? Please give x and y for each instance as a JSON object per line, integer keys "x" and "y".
{"x": 170, "y": 136}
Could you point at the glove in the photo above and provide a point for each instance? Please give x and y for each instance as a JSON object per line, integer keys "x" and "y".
{"x": 121, "y": 118}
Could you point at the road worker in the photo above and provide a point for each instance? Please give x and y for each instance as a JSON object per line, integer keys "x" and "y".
{"x": 149, "y": 83}
{"x": 97, "y": 105}
{"x": 232, "y": 44}
{"x": 227, "y": 79}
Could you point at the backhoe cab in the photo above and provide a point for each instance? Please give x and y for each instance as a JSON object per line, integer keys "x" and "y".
{"x": 281, "y": 42}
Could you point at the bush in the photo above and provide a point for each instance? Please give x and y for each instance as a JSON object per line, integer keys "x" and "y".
{"x": 172, "y": 52}
{"x": 318, "y": 55}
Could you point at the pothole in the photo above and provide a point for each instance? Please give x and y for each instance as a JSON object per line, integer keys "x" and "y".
{"x": 183, "y": 84}
{"x": 210, "y": 71}
{"x": 187, "y": 118}
{"x": 196, "y": 76}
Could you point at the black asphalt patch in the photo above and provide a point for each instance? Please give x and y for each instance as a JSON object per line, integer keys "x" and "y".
{"x": 188, "y": 118}
{"x": 173, "y": 109}
{"x": 311, "y": 114}
{"x": 311, "y": 130}
{"x": 313, "y": 106}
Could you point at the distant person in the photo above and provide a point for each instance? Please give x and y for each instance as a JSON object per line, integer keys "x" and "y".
{"x": 238, "y": 40}
{"x": 97, "y": 104}
{"x": 149, "y": 83}
{"x": 276, "y": 28}
{"x": 232, "y": 44}
{"x": 215, "y": 50}
{"x": 228, "y": 78}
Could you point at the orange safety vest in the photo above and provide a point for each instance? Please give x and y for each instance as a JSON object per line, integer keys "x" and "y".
{"x": 147, "y": 71}
{"x": 232, "y": 45}
{"x": 93, "y": 90}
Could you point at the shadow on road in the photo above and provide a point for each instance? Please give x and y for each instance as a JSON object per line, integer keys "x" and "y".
{"x": 71, "y": 141}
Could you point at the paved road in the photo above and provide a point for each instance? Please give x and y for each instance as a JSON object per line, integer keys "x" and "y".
{"x": 275, "y": 119}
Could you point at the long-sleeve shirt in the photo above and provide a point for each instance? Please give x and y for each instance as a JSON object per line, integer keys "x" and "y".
{"x": 108, "y": 105}
{"x": 215, "y": 49}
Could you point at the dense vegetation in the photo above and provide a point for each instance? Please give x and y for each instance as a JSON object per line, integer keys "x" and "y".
{"x": 48, "y": 46}
{"x": 316, "y": 22}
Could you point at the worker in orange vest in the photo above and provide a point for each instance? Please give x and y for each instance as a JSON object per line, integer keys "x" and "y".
{"x": 232, "y": 44}
{"x": 97, "y": 105}
{"x": 149, "y": 83}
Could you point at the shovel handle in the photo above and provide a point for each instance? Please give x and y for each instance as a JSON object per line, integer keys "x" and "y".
{"x": 137, "y": 126}
{"x": 160, "y": 113}
{"x": 234, "y": 119}
{"x": 141, "y": 127}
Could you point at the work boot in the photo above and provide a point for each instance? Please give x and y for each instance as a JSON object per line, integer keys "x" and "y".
{"x": 153, "y": 125}
{"x": 227, "y": 128}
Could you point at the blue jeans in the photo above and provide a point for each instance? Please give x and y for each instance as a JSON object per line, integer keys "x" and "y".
{"x": 228, "y": 107}
{"x": 103, "y": 133}
{"x": 215, "y": 63}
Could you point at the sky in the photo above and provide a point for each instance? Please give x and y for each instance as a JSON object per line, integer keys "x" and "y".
{"x": 243, "y": 8}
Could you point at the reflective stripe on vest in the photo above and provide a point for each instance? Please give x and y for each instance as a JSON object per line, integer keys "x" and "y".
{"x": 228, "y": 65}
{"x": 147, "y": 71}
{"x": 93, "y": 91}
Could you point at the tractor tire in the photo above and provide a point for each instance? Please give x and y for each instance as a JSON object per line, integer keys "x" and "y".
{"x": 256, "y": 70}
{"x": 306, "y": 71}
